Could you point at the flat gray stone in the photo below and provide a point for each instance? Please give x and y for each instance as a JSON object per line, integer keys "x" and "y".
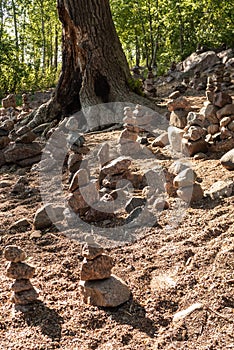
{"x": 185, "y": 178}
{"x": 221, "y": 189}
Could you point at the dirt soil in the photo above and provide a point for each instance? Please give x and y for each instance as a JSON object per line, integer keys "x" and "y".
{"x": 168, "y": 268}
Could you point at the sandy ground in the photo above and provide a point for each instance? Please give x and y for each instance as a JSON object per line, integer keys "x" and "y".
{"x": 167, "y": 268}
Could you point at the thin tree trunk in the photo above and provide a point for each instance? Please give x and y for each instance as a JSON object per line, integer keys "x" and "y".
{"x": 151, "y": 33}
{"x": 43, "y": 35}
{"x": 15, "y": 27}
{"x": 137, "y": 56}
{"x": 56, "y": 48}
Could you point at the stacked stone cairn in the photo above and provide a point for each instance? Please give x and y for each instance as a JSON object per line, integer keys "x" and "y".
{"x": 149, "y": 86}
{"x": 181, "y": 181}
{"x": 98, "y": 286}
{"x": 179, "y": 107}
{"x": 218, "y": 113}
{"x": 26, "y": 104}
{"x": 20, "y": 147}
{"x": 23, "y": 291}
{"x": 76, "y": 142}
{"x": 187, "y": 188}
{"x": 198, "y": 82}
{"x": 135, "y": 121}
{"x": 17, "y": 143}
{"x": 84, "y": 193}
{"x": 212, "y": 128}
{"x": 193, "y": 140}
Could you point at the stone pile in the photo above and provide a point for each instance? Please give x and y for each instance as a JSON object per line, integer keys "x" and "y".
{"x": 212, "y": 128}
{"x": 84, "y": 192}
{"x": 23, "y": 150}
{"x": 135, "y": 121}
{"x": 23, "y": 291}
{"x": 98, "y": 286}
{"x": 86, "y": 199}
{"x": 187, "y": 188}
{"x": 128, "y": 137}
{"x": 149, "y": 85}
{"x": 75, "y": 141}
{"x": 179, "y": 107}
{"x": 193, "y": 140}
{"x": 218, "y": 113}
{"x": 25, "y": 103}
{"x": 198, "y": 82}
{"x": 17, "y": 143}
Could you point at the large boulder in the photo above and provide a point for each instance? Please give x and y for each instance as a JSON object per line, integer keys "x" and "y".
{"x": 200, "y": 62}
{"x": 18, "y": 151}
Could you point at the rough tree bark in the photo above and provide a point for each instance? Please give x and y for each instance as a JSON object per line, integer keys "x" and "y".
{"x": 94, "y": 67}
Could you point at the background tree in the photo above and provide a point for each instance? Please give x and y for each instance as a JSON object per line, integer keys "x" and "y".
{"x": 152, "y": 33}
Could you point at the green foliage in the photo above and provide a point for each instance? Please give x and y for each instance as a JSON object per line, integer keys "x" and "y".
{"x": 136, "y": 86}
{"x": 155, "y": 33}
{"x": 29, "y": 45}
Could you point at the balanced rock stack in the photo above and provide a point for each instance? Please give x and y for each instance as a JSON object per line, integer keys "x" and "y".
{"x": 179, "y": 108}
{"x": 76, "y": 141}
{"x": 143, "y": 118}
{"x": 23, "y": 291}
{"x": 198, "y": 83}
{"x": 149, "y": 86}
{"x": 227, "y": 80}
{"x": 113, "y": 173}
{"x": 98, "y": 286}
{"x": 128, "y": 137}
{"x": 218, "y": 112}
{"x": 193, "y": 140}
{"x": 217, "y": 76}
{"x": 5, "y": 129}
{"x": 187, "y": 188}
{"x": 84, "y": 192}
{"x": 22, "y": 150}
{"x": 26, "y": 104}
{"x": 135, "y": 121}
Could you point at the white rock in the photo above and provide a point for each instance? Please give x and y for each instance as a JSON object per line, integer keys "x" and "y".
{"x": 182, "y": 314}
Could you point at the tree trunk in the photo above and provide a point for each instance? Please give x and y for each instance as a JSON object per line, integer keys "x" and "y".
{"x": 94, "y": 67}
